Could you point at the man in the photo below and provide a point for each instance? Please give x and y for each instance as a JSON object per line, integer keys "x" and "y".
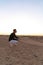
{"x": 13, "y": 39}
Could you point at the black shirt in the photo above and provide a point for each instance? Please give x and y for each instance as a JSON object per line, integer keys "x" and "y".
{"x": 13, "y": 37}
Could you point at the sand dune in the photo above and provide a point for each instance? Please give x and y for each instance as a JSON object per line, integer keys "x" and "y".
{"x": 29, "y": 51}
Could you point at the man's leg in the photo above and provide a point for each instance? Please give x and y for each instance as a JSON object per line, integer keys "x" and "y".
{"x": 15, "y": 42}
{"x": 11, "y": 43}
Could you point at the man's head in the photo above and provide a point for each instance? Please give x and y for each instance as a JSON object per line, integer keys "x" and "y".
{"x": 14, "y": 30}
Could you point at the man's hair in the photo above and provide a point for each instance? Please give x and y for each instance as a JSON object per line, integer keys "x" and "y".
{"x": 14, "y": 30}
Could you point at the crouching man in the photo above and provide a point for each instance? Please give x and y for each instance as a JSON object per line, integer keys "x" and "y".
{"x": 13, "y": 39}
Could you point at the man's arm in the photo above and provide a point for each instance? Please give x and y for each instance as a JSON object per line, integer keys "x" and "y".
{"x": 16, "y": 37}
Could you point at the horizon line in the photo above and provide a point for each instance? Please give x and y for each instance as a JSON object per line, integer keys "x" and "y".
{"x": 23, "y": 34}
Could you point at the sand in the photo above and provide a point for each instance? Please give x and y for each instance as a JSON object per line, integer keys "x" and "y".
{"x": 29, "y": 51}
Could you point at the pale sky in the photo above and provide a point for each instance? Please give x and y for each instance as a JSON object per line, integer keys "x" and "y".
{"x": 24, "y": 15}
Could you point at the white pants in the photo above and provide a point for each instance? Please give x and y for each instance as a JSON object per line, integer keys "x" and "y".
{"x": 13, "y": 42}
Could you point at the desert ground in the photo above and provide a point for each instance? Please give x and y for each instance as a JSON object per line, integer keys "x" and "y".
{"x": 29, "y": 51}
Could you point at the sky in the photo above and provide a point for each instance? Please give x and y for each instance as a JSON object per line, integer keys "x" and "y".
{"x": 24, "y": 15}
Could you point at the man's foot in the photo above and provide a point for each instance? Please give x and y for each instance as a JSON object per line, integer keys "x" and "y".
{"x": 11, "y": 45}
{"x": 15, "y": 44}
